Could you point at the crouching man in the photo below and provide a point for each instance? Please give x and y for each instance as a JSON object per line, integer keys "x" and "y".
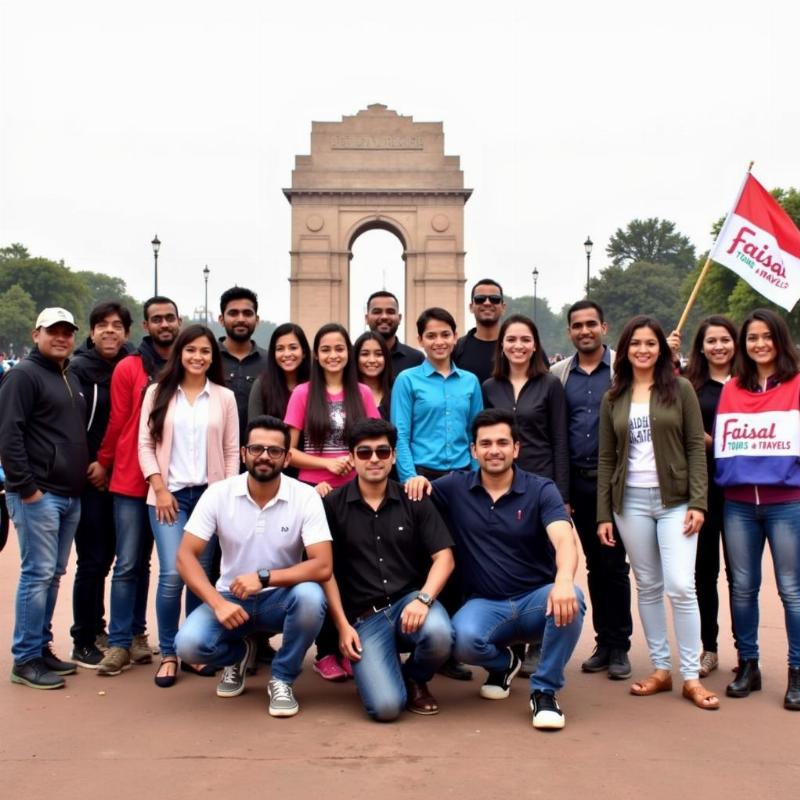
{"x": 380, "y": 599}
{"x": 264, "y": 521}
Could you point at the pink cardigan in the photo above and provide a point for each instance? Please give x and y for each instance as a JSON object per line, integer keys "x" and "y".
{"x": 223, "y": 438}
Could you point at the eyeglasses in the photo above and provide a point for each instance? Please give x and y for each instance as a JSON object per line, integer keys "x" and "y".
{"x": 494, "y": 299}
{"x": 382, "y": 451}
{"x": 273, "y": 451}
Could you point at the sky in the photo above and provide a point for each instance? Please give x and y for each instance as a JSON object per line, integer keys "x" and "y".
{"x": 182, "y": 119}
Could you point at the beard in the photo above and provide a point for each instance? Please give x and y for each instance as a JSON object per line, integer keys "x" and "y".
{"x": 239, "y": 337}
{"x": 264, "y": 476}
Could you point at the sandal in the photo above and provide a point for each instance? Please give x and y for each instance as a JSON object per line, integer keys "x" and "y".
{"x": 652, "y": 684}
{"x": 165, "y": 681}
{"x": 701, "y": 697}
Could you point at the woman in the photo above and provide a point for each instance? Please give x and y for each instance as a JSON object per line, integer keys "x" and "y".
{"x": 288, "y": 359}
{"x": 188, "y": 438}
{"x": 710, "y": 365}
{"x": 374, "y": 369}
{"x": 757, "y": 449}
{"x": 323, "y": 412}
{"x": 652, "y": 476}
{"x": 522, "y": 383}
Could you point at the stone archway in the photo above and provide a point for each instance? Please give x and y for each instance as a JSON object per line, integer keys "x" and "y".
{"x": 376, "y": 169}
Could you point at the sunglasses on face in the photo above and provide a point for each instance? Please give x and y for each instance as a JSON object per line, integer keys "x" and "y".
{"x": 494, "y": 299}
{"x": 273, "y": 451}
{"x": 382, "y": 451}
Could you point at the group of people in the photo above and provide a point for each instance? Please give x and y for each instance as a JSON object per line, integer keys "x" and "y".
{"x": 381, "y": 500}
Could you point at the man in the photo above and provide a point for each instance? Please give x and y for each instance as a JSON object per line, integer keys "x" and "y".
{"x": 384, "y": 317}
{"x": 265, "y": 522}
{"x": 475, "y": 351}
{"x": 380, "y": 600}
{"x": 517, "y": 556}
{"x": 45, "y": 456}
{"x": 586, "y": 376}
{"x": 93, "y": 365}
{"x": 242, "y": 360}
{"x": 120, "y": 450}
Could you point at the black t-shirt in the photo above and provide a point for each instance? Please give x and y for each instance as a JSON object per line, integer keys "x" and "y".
{"x": 475, "y": 355}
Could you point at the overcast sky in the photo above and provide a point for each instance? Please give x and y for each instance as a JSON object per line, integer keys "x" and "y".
{"x": 119, "y": 121}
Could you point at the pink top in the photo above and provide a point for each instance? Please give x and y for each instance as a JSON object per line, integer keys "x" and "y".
{"x": 334, "y": 445}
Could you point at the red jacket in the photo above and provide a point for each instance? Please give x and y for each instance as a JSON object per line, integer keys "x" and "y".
{"x": 119, "y": 450}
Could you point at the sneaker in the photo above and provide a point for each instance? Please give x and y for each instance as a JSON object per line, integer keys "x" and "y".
{"x": 87, "y": 656}
{"x": 709, "y": 661}
{"x": 619, "y": 665}
{"x": 140, "y": 650}
{"x": 547, "y": 714}
{"x": 330, "y": 669}
{"x": 598, "y": 660}
{"x": 101, "y": 642}
{"x": 114, "y": 661}
{"x": 498, "y": 684}
{"x": 55, "y": 665}
{"x": 34, "y": 673}
{"x": 232, "y": 682}
{"x": 282, "y": 702}
{"x": 530, "y": 661}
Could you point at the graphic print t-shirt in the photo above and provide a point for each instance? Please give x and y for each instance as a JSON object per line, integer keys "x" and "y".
{"x": 641, "y": 457}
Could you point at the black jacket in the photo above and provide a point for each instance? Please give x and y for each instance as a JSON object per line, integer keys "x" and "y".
{"x": 42, "y": 429}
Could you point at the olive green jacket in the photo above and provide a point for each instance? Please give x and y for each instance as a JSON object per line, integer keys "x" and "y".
{"x": 678, "y": 445}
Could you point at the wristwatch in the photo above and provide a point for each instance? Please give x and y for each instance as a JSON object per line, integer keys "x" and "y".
{"x": 424, "y": 597}
{"x": 264, "y": 576}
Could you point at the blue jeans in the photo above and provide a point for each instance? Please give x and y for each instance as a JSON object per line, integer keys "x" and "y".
{"x": 168, "y": 537}
{"x": 296, "y": 611}
{"x": 130, "y": 580}
{"x": 380, "y": 679}
{"x": 747, "y": 528}
{"x": 663, "y": 560}
{"x": 485, "y": 628}
{"x": 45, "y": 529}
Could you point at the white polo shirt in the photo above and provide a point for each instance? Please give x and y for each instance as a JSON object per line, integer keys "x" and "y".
{"x": 253, "y": 538}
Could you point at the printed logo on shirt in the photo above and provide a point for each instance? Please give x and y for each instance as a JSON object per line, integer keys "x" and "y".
{"x": 765, "y": 433}
{"x": 639, "y": 430}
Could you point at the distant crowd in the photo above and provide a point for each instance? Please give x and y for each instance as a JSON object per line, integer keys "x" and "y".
{"x": 409, "y": 511}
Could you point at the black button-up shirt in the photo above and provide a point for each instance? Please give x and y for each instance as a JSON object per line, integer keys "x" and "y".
{"x": 584, "y": 393}
{"x": 239, "y": 377}
{"x": 380, "y": 555}
{"x": 404, "y": 357}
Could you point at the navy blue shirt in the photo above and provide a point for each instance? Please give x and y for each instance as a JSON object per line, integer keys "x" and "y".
{"x": 502, "y": 548}
{"x": 584, "y": 393}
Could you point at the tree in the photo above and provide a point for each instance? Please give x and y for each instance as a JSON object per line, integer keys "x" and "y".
{"x": 654, "y": 241}
{"x": 17, "y": 318}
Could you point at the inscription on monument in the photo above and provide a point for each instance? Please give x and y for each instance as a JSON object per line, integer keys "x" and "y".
{"x": 376, "y": 143}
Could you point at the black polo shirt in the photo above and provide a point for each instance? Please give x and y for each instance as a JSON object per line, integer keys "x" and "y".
{"x": 404, "y": 357}
{"x": 379, "y": 555}
{"x": 502, "y": 546}
{"x": 239, "y": 377}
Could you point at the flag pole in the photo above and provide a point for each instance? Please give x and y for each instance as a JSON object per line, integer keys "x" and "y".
{"x": 703, "y": 272}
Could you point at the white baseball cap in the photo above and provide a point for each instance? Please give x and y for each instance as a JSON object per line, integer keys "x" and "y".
{"x": 52, "y": 316}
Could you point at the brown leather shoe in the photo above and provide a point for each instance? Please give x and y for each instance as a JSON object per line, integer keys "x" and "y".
{"x": 420, "y": 700}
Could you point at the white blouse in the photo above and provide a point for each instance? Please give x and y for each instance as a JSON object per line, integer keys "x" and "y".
{"x": 188, "y": 462}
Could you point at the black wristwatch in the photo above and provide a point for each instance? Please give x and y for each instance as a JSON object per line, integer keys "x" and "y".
{"x": 264, "y": 576}
{"x": 424, "y": 597}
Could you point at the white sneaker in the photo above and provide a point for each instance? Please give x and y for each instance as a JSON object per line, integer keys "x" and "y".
{"x": 282, "y": 702}
{"x": 547, "y": 714}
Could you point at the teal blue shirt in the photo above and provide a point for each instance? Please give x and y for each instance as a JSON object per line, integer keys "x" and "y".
{"x": 433, "y": 416}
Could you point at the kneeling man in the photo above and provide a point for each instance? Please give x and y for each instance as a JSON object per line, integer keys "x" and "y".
{"x": 380, "y": 600}
{"x": 264, "y": 521}
{"x": 517, "y": 555}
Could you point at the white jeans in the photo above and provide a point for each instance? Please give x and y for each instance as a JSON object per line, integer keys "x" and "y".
{"x": 663, "y": 558}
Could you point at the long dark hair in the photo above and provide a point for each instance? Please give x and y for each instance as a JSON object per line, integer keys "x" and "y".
{"x": 318, "y": 424}
{"x": 274, "y": 389}
{"x": 386, "y": 375}
{"x": 171, "y": 377}
{"x": 697, "y": 370}
{"x": 786, "y": 361}
{"x": 665, "y": 385}
{"x": 537, "y": 366}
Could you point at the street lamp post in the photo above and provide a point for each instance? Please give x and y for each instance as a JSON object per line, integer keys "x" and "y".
{"x": 535, "y": 274}
{"x": 587, "y": 246}
{"x": 156, "y": 246}
{"x": 206, "y": 273}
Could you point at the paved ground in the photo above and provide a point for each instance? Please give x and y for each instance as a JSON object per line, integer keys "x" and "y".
{"x": 124, "y": 738}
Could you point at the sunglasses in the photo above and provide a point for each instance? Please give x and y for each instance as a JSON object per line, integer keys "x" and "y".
{"x": 494, "y": 299}
{"x": 273, "y": 451}
{"x": 382, "y": 451}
